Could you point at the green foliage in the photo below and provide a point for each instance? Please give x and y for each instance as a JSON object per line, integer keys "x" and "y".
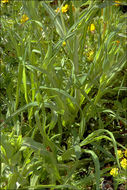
{"x": 63, "y": 100}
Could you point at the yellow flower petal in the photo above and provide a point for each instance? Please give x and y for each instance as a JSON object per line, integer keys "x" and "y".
{"x": 125, "y": 153}
{"x": 90, "y": 55}
{"x": 92, "y": 27}
{"x": 65, "y": 8}
{"x": 120, "y": 154}
{"x": 24, "y": 18}
{"x": 117, "y": 3}
{"x": 57, "y": 10}
{"x": 117, "y": 41}
{"x": 124, "y": 163}
{"x": 114, "y": 172}
{"x": 5, "y": 1}
{"x": 64, "y": 43}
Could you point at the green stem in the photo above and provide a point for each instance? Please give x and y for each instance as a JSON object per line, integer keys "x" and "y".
{"x": 62, "y": 19}
{"x": 76, "y": 58}
{"x": 19, "y": 84}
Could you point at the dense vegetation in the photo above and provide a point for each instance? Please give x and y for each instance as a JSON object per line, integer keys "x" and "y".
{"x": 63, "y": 95}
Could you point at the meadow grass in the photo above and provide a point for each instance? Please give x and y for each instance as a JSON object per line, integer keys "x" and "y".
{"x": 63, "y": 100}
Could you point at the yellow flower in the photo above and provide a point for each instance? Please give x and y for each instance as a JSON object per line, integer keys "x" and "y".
{"x": 65, "y": 8}
{"x": 73, "y": 8}
{"x": 57, "y": 10}
{"x": 64, "y": 43}
{"x": 92, "y": 27}
{"x": 120, "y": 154}
{"x": 124, "y": 163}
{"x": 125, "y": 153}
{"x": 117, "y": 41}
{"x": 5, "y": 1}
{"x": 117, "y": 3}
{"x": 90, "y": 55}
{"x": 114, "y": 172}
{"x": 80, "y": 24}
{"x": 24, "y": 18}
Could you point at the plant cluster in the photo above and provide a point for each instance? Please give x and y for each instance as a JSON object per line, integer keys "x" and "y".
{"x": 63, "y": 94}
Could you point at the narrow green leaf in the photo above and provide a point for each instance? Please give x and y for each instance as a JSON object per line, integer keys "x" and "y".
{"x": 20, "y": 73}
{"x": 53, "y": 186}
{"x": 67, "y": 154}
{"x": 25, "y": 84}
{"x": 56, "y": 20}
{"x": 97, "y": 133}
{"x": 32, "y": 104}
{"x": 33, "y": 181}
{"x": 12, "y": 181}
{"x": 97, "y": 167}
